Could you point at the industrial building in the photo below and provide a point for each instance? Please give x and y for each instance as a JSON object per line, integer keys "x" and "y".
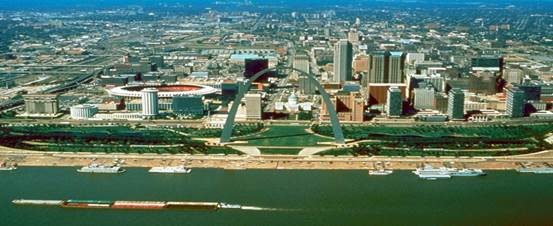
{"x": 41, "y": 105}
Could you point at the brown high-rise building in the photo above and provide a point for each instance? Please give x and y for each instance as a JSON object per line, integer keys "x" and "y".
{"x": 484, "y": 82}
{"x": 378, "y": 92}
{"x": 349, "y": 106}
{"x": 361, "y": 64}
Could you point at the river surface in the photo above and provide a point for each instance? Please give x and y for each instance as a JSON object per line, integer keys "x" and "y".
{"x": 281, "y": 197}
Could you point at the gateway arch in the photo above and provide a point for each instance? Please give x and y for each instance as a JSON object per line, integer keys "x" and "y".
{"x": 229, "y": 124}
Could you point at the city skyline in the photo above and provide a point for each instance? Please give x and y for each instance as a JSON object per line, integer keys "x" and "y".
{"x": 257, "y": 112}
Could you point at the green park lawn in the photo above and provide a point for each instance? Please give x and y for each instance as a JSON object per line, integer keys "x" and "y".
{"x": 280, "y": 151}
{"x": 294, "y": 136}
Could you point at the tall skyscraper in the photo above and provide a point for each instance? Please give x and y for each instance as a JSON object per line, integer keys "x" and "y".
{"x": 150, "y": 106}
{"x": 396, "y": 67}
{"x": 253, "y": 106}
{"x": 301, "y": 62}
{"x": 456, "y": 104}
{"x": 387, "y": 67}
{"x": 379, "y": 67}
{"x": 515, "y": 102}
{"x": 394, "y": 102}
{"x": 343, "y": 57}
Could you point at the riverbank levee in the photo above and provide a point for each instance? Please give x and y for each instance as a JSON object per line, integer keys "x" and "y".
{"x": 260, "y": 146}
{"x": 35, "y": 158}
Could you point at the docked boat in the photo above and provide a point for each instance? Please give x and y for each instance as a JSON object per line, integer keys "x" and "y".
{"x": 430, "y": 173}
{"x": 380, "y": 172}
{"x": 98, "y": 168}
{"x": 5, "y": 167}
{"x": 536, "y": 170}
{"x": 467, "y": 173}
{"x": 170, "y": 170}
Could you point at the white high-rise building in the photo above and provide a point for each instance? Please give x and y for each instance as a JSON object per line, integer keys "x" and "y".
{"x": 424, "y": 97}
{"x": 343, "y": 59}
{"x": 414, "y": 58}
{"x": 513, "y": 75}
{"x": 253, "y": 106}
{"x": 149, "y": 102}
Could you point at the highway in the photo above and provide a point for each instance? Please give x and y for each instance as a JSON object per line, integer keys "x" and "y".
{"x": 277, "y": 97}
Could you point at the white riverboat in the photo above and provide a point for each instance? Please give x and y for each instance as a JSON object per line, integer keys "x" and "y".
{"x": 430, "y": 173}
{"x": 170, "y": 170}
{"x": 99, "y": 168}
{"x": 380, "y": 172}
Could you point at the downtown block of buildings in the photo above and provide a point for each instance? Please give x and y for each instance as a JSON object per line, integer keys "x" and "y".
{"x": 370, "y": 70}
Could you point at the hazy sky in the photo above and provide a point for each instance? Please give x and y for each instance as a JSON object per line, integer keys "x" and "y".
{"x": 40, "y": 4}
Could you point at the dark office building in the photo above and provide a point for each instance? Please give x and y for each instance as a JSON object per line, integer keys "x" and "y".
{"x": 114, "y": 80}
{"x": 158, "y": 61}
{"x": 188, "y": 105}
{"x": 229, "y": 89}
{"x": 253, "y": 66}
{"x": 169, "y": 78}
{"x": 487, "y": 62}
{"x": 532, "y": 92}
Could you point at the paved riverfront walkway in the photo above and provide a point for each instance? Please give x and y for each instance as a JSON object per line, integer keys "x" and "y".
{"x": 37, "y": 158}
{"x": 313, "y": 150}
{"x": 249, "y": 150}
{"x": 305, "y": 151}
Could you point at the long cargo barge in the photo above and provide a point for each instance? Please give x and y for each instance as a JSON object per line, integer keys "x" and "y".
{"x": 106, "y": 204}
